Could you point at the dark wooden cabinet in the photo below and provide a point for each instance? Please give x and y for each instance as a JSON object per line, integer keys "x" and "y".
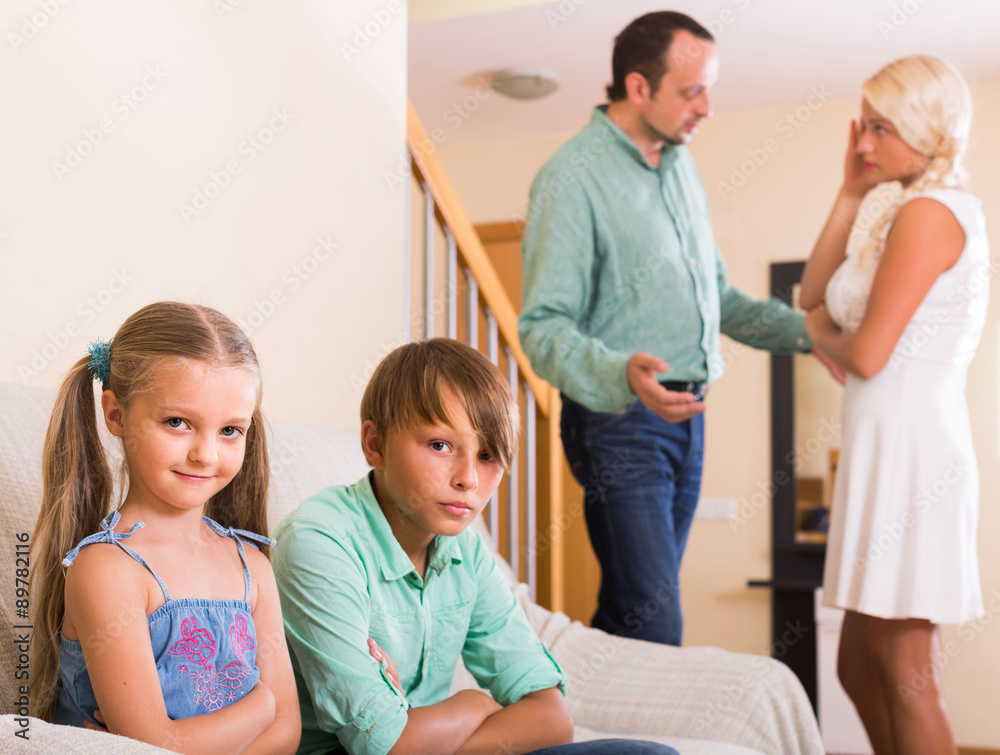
{"x": 796, "y": 566}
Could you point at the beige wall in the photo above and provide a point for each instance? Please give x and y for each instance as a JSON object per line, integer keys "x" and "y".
{"x": 299, "y": 238}
{"x": 438, "y": 10}
{"x": 774, "y": 215}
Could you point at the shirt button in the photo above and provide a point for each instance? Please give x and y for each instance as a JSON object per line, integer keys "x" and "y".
{"x": 703, "y": 303}
{"x": 800, "y": 341}
{"x": 692, "y": 260}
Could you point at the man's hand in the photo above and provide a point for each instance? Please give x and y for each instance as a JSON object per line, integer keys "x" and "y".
{"x": 837, "y": 372}
{"x": 100, "y": 726}
{"x": 672, "y": 406}
{"x": 819, "y": 324}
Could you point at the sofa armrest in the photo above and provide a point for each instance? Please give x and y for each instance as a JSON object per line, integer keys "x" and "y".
{"x": 38, "y": 736}
{"x": 618, "y": 685}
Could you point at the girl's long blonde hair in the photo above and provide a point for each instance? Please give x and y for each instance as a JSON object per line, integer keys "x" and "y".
{"x": 78, "y": 481}
{"x": 929, "y": 104}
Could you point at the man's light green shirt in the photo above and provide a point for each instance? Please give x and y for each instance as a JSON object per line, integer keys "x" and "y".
{"x": 343, "y": 578}
{"x": 619, "y": 258}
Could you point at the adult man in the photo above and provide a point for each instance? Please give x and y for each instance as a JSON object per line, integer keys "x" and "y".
{"x": 623, "y": 283}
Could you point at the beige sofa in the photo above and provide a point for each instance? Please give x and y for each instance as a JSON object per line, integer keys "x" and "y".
{"x": 703, "y": 701}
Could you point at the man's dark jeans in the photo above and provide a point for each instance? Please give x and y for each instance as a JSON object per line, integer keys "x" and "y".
{"x": 641, "y": 477}
{"x": 609, "y": 747}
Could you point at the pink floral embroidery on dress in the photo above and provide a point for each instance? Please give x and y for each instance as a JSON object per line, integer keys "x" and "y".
{"x": 240, "y": 637}
{"x": 232, "y": 674}
{"x": 196, "y": 644}
{"x": 209, "y": 693}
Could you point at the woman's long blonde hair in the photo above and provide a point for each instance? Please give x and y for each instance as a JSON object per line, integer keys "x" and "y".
{"x": 929, "y": 104}
{"x": 78, "y": 481}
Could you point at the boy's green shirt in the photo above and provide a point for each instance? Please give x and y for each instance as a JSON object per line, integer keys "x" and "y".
{"x": 343, "y": 578}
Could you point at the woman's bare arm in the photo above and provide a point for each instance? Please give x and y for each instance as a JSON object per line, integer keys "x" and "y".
{"x": 831, "y": 246}
{"x": 925, "y": 241}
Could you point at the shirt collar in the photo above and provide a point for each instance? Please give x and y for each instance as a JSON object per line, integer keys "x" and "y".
{"x": 394, "y": 562}
{"x": 668, "y": 154}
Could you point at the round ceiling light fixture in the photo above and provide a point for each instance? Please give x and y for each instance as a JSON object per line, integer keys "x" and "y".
{"x": 524, "y": 83}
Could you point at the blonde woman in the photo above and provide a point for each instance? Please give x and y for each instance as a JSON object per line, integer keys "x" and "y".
{"x": 899, "y": 304}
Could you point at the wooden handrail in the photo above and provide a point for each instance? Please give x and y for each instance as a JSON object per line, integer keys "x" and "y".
{"x": 451, "y": 215}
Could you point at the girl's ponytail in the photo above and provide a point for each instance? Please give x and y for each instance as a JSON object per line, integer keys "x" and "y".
{"x": 77, "y": 492}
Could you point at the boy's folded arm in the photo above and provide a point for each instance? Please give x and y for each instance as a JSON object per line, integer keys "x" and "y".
{"x": 539, "y": 719}
{"x": 443, "y": 728}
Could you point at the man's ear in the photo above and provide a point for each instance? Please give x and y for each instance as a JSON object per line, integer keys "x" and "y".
{"x": 114, "y": 414}
{"x": 637, "y": 88}
{"x": 371, "y": 444}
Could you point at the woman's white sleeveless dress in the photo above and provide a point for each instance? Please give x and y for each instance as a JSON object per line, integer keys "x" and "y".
{"x": 906, "y": 501}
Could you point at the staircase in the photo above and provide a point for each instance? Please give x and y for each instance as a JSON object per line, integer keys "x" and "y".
{"x": 457, "y": 294}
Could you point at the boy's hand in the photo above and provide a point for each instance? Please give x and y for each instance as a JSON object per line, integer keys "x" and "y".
{"x": 99, "y": 726}
{"x": 390, "y": 667}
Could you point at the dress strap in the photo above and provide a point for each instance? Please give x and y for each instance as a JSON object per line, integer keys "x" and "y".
{"x": 240, "y": 536}
{"x": 108, "y": 535}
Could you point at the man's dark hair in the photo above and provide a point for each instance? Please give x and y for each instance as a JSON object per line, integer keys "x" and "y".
{"x": 641, "y": 47}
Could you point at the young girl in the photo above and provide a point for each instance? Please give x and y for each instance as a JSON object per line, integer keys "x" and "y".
{"x": 901, "y": 306}
{"x": 164, "y": 626}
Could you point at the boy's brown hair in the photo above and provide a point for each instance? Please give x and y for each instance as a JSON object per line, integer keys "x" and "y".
{"x": 406, "y": 390}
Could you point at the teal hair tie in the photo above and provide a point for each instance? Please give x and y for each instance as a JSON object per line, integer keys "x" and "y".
{"x": 100, "y": 360}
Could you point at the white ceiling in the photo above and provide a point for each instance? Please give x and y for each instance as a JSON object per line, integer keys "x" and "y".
{"x": 773, "y": 53}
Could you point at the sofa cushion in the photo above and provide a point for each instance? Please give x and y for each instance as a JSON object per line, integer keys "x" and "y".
{"x": 24, "y": 416}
